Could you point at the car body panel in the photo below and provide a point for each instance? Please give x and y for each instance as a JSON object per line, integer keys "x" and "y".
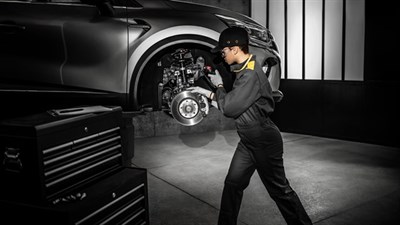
{"x": 78, "y": 48}
{"x": 22, "y": 44}
{"x": 105, "y": 62}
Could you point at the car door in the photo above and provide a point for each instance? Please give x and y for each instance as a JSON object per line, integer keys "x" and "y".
{"x": 64, "y": 42}
{"x": 31, "y": 43}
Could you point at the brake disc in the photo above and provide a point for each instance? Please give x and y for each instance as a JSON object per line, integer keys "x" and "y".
{"x": 189, "y": 108}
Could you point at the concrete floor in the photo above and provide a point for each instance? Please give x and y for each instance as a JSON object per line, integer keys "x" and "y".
{"x": 339, "y": 182}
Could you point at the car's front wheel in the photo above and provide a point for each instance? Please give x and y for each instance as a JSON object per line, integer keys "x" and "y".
{"x": 165, "y": 80}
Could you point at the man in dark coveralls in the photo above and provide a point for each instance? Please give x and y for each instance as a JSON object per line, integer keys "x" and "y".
{"x": 260, "y": 148}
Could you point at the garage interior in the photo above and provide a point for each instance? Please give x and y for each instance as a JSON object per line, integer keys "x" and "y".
{"x": 339, "y": 125}
{"x": 339, "y": 130}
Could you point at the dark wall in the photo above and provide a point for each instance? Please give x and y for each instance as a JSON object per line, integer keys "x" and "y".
{"x": 357, "y": 111}
{"x": 382, "y": 46}
{"x": 365, "y": 111}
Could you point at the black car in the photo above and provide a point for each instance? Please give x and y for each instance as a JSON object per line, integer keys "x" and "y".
{"x": 139, "y": 54}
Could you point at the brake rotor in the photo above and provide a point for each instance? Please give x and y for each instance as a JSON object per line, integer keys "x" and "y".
{"x": 189, "y": 108}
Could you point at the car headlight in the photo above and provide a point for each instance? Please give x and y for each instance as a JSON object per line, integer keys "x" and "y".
{"x": 258, "y": 35}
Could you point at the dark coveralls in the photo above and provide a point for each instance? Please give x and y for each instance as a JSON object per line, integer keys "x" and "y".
{"x": 260, "y": 148}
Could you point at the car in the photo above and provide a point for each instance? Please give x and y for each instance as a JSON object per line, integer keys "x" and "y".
{"x": 140, "y": 54}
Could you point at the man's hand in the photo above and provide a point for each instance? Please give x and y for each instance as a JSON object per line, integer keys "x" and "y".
{"x": 216, "y": 78}
{"x": 200, "y": 90}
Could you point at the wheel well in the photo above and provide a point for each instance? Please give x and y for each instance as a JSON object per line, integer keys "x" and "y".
{"x": 148, "y": 94}
{"x": 147, "y": 74}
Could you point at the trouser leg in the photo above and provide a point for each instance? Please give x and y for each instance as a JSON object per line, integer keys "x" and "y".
{"x": 273, "y": 177}
{"x": 269, "y": 165}
{"x": 237, "y": 179}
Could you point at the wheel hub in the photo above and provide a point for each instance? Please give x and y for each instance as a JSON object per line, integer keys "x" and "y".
{"x": 188, "y": 108}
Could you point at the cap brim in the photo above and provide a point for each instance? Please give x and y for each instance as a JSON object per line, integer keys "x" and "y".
{"x": 216, "y": 49}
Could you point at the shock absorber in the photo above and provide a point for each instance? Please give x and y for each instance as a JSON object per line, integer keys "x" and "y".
{"x": 182, "y": 65}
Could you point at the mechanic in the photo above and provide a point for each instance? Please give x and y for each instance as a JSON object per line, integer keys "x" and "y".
{"x": 260, "y": 147}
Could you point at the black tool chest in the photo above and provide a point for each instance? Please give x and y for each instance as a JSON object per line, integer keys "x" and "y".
{"x": 70, "y": 170}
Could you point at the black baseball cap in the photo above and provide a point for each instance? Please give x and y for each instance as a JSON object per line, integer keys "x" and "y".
{"x": 232, "y": 36}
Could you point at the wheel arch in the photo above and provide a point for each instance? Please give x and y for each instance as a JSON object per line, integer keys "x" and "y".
{"x": 159, "y": 42}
